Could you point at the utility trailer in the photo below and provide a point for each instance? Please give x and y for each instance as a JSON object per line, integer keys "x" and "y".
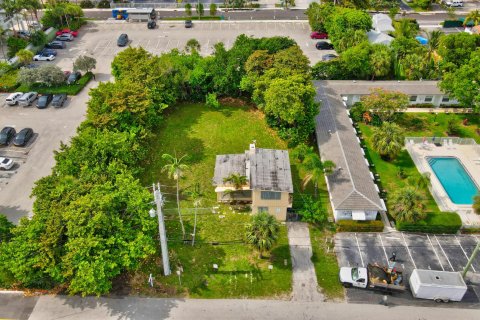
{"x": 440, "y": 286}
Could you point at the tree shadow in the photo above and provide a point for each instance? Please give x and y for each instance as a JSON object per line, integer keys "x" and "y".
{"x": 13, "y": 214}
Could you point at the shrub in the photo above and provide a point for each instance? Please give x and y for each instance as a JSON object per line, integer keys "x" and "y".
{"x": 211, "y": 100}
{"x": 359, "y": 226}
{"x": 15, "y": 44}
{"x": 313, "y": 211}
{"x": 357, "y": 111}
{"x": 442, "y": 222}
{"x": 70, "y": 90}
{"x": 213, "y": 9}
{"x": 453, "y": 127}
{"x": 103, "y": 4}
{"x": 87, "y": 4}
{"x": 8, "y": 81}
{"x": 469, "y": 230}
{"x": 422, "y": 4}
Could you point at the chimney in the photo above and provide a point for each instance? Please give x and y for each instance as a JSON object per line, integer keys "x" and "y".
{"x": 252, "y": 147}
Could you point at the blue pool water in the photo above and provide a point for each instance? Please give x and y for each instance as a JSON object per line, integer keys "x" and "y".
{"x": 455, "y": 180}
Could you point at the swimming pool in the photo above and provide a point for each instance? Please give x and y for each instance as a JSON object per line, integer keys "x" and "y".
{"x": 454, "y": 178}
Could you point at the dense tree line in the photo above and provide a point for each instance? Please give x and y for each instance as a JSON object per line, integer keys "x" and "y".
{"x": 91, "y": 220}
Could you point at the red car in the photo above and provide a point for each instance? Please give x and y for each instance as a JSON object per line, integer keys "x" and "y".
{"x": 72, "y": 32}
{"x": 318, "y": 35}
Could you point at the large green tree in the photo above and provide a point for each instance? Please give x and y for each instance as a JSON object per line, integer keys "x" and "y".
{"x": 388, "y": 140}
{"x": 457, "y": 48}
{"x": 357, "y": 61}
{"x": 381, "y": 61}
{"x": 262, "y": 232}
{"x": 385, "y": 103}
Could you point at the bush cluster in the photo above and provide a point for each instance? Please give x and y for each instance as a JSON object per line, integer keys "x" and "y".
{"x": 359, "y": 226}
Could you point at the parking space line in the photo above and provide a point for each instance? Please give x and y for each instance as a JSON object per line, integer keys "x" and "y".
{"x": 359, "y": 251}
{"x": 384, "y": 251}
{"x": 436, "y": 254}
{"x": 441, "y": 248}
{"x": 466, "y": 256}
{"x": 408, "y": 250}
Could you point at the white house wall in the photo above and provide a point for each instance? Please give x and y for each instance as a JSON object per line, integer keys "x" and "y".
{"x": 420, "y": 99}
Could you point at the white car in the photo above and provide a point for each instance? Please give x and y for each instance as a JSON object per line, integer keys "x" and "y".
{"x": 6, "y": 163}
{"x": 40, "y": 57}
{"x": 13, "y": 98}
{"x": 64, "y": 37}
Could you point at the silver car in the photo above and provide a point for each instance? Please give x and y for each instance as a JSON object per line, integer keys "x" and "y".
{"x": 27, "y": 99}
{"x": 13, "y": 98}
{"x": 6, "y": 163}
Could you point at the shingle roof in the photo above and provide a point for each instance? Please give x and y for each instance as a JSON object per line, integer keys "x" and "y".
{"x": 226, "y": 164}
{"x": 270, "y": 170}
{"x": 351, "y": 185}
{"x": 344, "y": 87}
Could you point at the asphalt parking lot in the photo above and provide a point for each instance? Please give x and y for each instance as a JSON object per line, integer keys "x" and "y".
{"x": 413, "y": 251}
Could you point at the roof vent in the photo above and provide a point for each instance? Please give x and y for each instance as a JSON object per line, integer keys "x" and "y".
{"x": 437, "y": 277}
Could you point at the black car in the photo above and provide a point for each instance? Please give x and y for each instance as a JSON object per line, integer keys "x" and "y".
{"x": 122, "y": 40}
{"x": 59, "y": 100}
{"x": 44, "y": 100}
{"x": 151, "y": 24}
{"x": 73, "y": 77}
{"x": 188, "y": 23}
{"x": 6, "y": 135}
{"x": 22, "y": 138}
{"x": 48, "y": 52}
{"x": 56, "y": 45}
{"x": 328, "y": 57}
{"x": 324, "y": 45}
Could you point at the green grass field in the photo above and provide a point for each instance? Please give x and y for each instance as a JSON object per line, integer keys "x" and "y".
{"x": 202, "y": 133}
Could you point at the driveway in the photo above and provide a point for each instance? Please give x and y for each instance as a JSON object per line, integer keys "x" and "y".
{"x": 305, "y": 286}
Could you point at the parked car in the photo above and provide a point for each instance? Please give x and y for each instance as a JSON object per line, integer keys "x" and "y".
{"x": 151, "y": 24}
{"x": 56, "y": 45}
{"x": 188, "y": 23}
{"x": 64, "y": 37}
{"x": 22, "y": 137}
{"x": 73, "y": 77}
{"x": 24, "y": 34}
{"x": 324, "y": 45}
{"x": 27, "y": 99}
{"x": 44, "y": 100}
{"x": 12, "y": 99}
{"x": 454, "y": 3}
{"x": 6, "y": 135}
{"x": 67, "y": 31}
{"x": 59, "y": 100}
{"x": 328, "y": 57}
{"x": 31, "y": 66}
{"x": 6, "y": 163}
{"x": 48, "y": 52}
{"x": 318, "y": 35}
{"x": 39, "y": 57}
{"x": 122, "y": 40}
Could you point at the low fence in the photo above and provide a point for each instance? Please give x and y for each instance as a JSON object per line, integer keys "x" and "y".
{"x": 455, "y": 140}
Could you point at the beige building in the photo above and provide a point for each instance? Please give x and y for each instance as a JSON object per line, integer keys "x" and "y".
{"x": 268, "y": 180}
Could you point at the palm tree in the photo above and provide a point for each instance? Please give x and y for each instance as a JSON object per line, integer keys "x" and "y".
{"x": 388, "y": 140}
{"x": 421, "y": 182}
{"x": 237, "y": 181}
{"x": 196, "y": 195}
{"x": 315, "y": 170}
{"x": 433, "y": 41}
{"x": 262, "y": 232}
{"x": 24, "y": 56}
{"x": 473, "y": 16}
{"x": 175, "y": 169}
{"x": 404, "y": 29}
{"x": 407, "y": 205}
{"x": 380, "y": 60}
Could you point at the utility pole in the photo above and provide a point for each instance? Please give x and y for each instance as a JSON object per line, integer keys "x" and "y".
{"x": 161, "y": 228}
{"x": 472, "y": 257}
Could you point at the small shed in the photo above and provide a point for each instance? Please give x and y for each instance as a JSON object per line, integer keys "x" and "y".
{"x": 382, "y": 23}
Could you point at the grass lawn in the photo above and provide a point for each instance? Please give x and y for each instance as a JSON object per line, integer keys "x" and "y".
{"x": 416, "y": 125}
{"x": 325, "y": 262}
{"x": 202, "y": 133}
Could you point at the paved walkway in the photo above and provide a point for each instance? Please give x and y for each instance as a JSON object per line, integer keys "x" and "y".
{"x": 73, "y": 308}
{"x": 305, "y": 286}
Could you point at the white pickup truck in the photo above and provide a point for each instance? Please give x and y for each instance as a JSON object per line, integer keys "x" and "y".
{"x": 372, "y": 277}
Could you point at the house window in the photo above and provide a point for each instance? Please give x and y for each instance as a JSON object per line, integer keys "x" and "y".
{"x": 413, "y": 98}
{"x": 428, "y": 98}
{"x": 445, "y": 99}
{"x": 270, "y": 195}
{"x": 347, "y": 214}
{"x": 262, "y": 209}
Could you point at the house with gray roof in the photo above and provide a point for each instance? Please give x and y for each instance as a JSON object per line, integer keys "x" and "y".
{"x": 268, "y": 186}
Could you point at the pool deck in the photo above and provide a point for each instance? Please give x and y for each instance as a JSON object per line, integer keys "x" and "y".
{"x": 467, "y": 154}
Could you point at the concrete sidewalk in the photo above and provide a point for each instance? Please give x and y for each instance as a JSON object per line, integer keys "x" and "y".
{"x": 305, "y": 286}
{"x": 76, "y": 308}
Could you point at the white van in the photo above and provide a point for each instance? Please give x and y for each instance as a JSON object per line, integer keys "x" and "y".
{"x": 27, "y": 99}
{"x": 454, "y": 3}
{"x": 13, "y": 98}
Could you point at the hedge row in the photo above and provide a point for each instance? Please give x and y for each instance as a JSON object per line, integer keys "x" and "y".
{"x": 359, "y": 226}
{"x": 442, "y": 222}
{"x": 470, "y": 230}
{"x": 70, "y": 90}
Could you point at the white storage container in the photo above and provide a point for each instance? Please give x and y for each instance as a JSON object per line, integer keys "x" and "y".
{"x": 441, "y": 286}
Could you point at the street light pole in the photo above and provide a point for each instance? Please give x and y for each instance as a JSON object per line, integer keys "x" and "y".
{"x": 470, "y": 261}
{"x": 161, "y": 228}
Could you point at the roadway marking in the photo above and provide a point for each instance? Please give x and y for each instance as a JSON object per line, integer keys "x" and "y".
{"x": 466, "y": 256}
{"x": 444, "y": 252}
{"x": 384, "y": 251}
{"x": 443, "y": 269}
{"x": 408, "y": 250}
{"x": 360, "y": 252}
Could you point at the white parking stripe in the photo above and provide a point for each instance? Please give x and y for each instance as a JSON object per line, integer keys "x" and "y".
{"x": 359, "y": 251}
{"x": 384, "y": 251}
{"x": 444, "y": 252}
{"x": 438, "y": 258}
{"x": 466, "y": 256}
{"x": 408, "y": 250}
